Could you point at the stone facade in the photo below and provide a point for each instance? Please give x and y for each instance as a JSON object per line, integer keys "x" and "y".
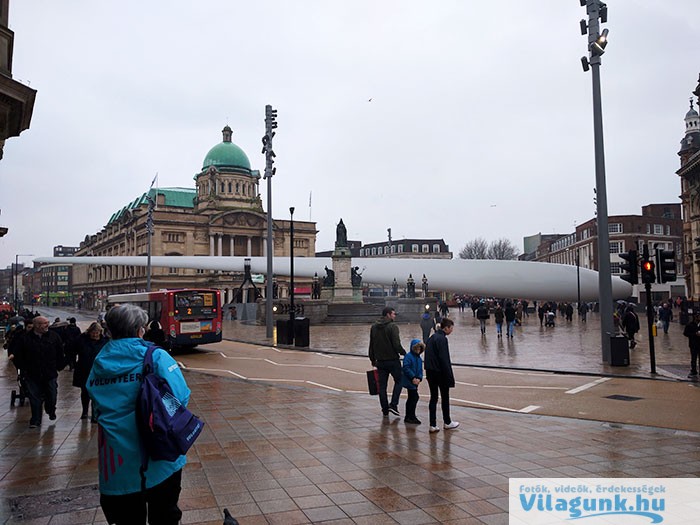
{"x": 689, "y": 173}
{"x": 221, "y": 216}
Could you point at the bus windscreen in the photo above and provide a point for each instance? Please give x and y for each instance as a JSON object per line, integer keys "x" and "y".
{"x": 194, "y": 304}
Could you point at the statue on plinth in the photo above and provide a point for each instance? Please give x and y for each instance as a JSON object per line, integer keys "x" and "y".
{"x": 329, "y": 279}
{"x": 356, "y": 277}
{"x": 410, "y": 287}
{"x": 341, "y": 235}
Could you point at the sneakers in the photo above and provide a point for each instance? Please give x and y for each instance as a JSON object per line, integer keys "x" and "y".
{"x": 452, "y": 425}
{"x": 394, "y": 410}
{"x": 432, "y": 430}
{"x": 412, "y": 421}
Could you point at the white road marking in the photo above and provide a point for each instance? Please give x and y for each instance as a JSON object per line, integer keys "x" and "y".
{"x": 345, "y": 370}
{"x": 466, "y": 384}
{"x": 529, "y": 409}
{"x": 587, "y": 385}
{"x": 325, "y": 386}
{"x": 512, "y": 372}
{"x": 526, "y": 387}
{"x": 275, "y": 379}
{"x": 467, "y": 402}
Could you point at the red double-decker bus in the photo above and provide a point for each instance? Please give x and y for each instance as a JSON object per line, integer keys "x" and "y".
{"x": 188, "y": 317}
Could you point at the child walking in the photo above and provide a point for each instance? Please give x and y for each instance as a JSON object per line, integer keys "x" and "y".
{"x": 411, "y": 378}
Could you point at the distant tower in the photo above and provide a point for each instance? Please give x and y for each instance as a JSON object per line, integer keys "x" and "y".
{"x": 689, "y": 173}
{"x": 226, "y": 180}
{"x": 690, "y": 143}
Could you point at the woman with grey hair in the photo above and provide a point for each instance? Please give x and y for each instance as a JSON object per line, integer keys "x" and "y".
{"x": 113, "y": 385}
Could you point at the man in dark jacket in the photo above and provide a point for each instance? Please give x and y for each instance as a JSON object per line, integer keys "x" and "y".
{"x": 692, "y": 332}
{"x": 70, "y": 338}
{"x": 384, "y": 352}
{"x": 438, "y": 372}
{"x": 39, "y": 356}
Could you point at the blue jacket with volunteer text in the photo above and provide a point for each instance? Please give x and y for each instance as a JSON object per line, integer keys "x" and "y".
{"x": 113, "y": 385}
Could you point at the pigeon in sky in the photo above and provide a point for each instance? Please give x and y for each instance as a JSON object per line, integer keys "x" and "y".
{"x": 228, "y": 519}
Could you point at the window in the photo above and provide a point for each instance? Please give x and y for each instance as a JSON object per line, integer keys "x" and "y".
{"x": 668, "y": 229}
{"x": 436, "y": 248}
{"x": 393, "y": 248}
{"x": 173, "y": 237}
{"x": 400, "y": 248}
{"x": 658, "y": 229}
{"x": 229, "y": 187}
{"x": 172, "y": 271}
{"x": 362, "y": 252}
{"x": 648, "y": 229}
{"x": 374, "y": 251}
{"x": 616, "y": 247}
{"x": 426, "y": 248}
{"x": 615, "y": 268}
{"x": 615, "y": 227}
{"x": 414, "y": 248}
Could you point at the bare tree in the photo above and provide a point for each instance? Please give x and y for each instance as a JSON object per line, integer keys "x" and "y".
{"x": 502, "y": 249}
{"x": 476, "y": 249}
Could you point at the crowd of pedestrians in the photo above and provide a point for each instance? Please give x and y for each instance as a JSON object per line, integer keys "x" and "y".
{"x": 106, "y": 362}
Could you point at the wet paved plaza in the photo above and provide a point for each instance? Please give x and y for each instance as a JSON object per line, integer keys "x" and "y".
{"x": 292, "y": 455}
{"x": 572, "y": 347}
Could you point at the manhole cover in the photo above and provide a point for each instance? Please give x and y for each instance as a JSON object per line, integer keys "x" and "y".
{"x": 620, "y": 397}
{"x": 55, "y": 502}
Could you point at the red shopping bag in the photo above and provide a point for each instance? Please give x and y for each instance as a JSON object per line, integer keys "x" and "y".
{"x": 373, "y": 382}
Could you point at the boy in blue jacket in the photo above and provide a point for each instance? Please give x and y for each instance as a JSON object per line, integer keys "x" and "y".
{"x": 411, "y": 378}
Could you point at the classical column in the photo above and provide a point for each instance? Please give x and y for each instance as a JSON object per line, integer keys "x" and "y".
{"x": 231, "y": 244}
{"x": 249, "y": 247}
{"x": 211, "y": 244}
{"x": 264, "y": 246}
{"x": 220, "y": 243}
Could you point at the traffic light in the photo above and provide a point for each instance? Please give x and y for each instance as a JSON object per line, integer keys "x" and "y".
{"x": 648, "y": 274}
{"x": 666, "y": 265}
{"x": 630, "y": 269}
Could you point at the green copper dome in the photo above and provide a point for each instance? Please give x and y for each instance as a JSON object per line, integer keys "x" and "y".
{"x": 226, "y": 154}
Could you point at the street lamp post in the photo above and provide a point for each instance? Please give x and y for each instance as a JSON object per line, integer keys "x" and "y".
{"x": 149, "y": 233}
{"x": 270, "y": 125}
{"x": 15, "y": 298}
{"x": 578, "y": 280}
{"x": 291, "y": 273}
{"x": 598, "y": 12}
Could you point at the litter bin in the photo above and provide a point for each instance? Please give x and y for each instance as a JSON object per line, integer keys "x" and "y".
{"x": 619, "y": 351}
{"x": 284, "y": 332}
{"x": 301, "y": 331}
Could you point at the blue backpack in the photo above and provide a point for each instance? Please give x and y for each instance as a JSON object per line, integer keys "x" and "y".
{"x": 166, "y": 427}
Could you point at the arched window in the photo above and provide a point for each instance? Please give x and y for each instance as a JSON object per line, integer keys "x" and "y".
{"x": 229, "y": 187}
{"x": 238, "y": 187}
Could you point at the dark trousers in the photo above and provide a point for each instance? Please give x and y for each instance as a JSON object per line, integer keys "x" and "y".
{"x": 159, "y": 503}
{"x": 411, "y": 403}
{"x": 386, "y": 368}
{"x": 84, "y": 399}
{"x": 41, "y": 392}
{"x": 438, "y": 386}
{"x": 694, "y": 359}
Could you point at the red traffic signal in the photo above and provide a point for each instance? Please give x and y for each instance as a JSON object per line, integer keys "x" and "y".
{"x": 648, "y": 273}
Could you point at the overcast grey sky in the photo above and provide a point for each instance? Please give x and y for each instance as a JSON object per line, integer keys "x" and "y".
{"x": 479, "y": 125}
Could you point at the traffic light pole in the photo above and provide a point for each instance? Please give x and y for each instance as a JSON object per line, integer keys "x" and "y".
{"x": 650, "y": 322}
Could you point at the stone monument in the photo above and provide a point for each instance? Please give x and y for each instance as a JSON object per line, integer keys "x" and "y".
{"x": 339, "y": 280}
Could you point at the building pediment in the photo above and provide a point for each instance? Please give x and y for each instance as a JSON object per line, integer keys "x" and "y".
{"x": 238, "y": 219}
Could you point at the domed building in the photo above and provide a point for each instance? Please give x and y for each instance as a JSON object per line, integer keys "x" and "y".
{"x": 689, "y": 173}
{"x": 223, "y": 215}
